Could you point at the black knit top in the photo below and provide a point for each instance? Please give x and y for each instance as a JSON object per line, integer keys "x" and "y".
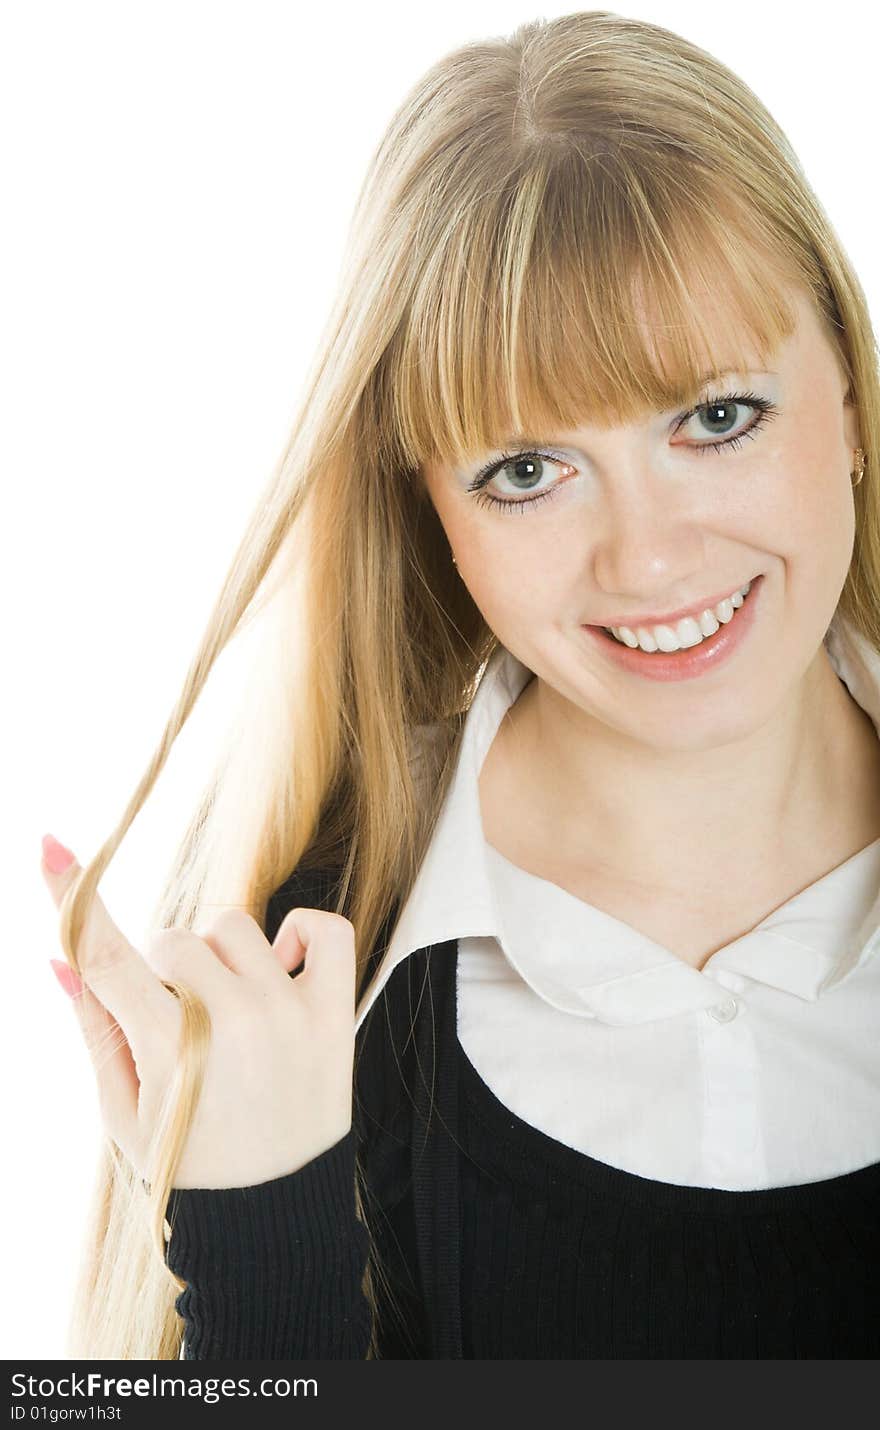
{"x": 564, "y": 1256}
{"x": 498, "y": 1242}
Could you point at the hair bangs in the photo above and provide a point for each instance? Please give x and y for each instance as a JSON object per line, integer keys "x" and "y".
{"x": 588, "y": 293}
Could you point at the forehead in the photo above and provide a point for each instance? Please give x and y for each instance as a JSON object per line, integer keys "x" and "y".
{"x": 806, "y": 344}
{"x": 729, "y": 344}
{"x": 562, "y": 369}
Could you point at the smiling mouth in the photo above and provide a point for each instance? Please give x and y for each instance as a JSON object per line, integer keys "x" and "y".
{"x": 667, "y": 639}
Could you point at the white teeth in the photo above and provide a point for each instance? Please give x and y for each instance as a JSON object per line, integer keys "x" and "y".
{"x": 685, "y": 633}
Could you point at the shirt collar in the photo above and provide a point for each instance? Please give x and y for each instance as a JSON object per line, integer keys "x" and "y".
{"x": 583, "y": 960}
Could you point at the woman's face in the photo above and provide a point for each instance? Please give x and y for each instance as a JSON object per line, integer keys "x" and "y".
{"x": 640, "y": 523}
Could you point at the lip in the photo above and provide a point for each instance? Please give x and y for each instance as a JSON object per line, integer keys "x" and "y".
{"x": 695, "y": 660}
{"x": 673, "y": 617}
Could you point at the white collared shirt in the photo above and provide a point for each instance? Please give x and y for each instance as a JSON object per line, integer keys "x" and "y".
{"x": 760, "y": 1069}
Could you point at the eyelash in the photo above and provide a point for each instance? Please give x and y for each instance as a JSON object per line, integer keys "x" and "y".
{"x": 764, "y": 408}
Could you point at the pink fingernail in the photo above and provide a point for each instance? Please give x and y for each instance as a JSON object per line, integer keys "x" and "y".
{"x": 56, "y": 856}
{"x": 70, "y": 980}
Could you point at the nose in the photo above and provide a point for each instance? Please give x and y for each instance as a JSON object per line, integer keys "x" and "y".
{"x": 651, "y": 544}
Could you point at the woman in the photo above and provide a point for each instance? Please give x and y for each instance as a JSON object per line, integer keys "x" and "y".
{"x": 584, "y": 806}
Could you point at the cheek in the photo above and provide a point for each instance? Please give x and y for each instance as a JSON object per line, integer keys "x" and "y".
{"x": 808, "y": 520}
{"x": 514, "y": 578}
{"x": 817, "y": 511}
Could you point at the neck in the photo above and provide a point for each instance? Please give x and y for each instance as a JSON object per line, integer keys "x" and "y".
{"x": 801, "y": 792}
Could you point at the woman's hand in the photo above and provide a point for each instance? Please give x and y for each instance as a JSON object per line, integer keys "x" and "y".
{"x": 277, "y": 1089}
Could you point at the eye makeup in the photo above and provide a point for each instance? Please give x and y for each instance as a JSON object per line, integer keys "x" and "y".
{"x": 763, "y": 408}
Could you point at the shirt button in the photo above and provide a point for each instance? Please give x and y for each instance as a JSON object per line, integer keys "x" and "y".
{"x": 723, "y": 1012}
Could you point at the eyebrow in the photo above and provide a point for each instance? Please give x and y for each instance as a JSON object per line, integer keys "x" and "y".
{"x": 528, "y": 439}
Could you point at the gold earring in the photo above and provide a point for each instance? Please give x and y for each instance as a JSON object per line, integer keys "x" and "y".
{"x": 859, "y": 467}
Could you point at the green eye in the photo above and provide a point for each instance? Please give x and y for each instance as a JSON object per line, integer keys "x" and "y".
{"x": 763, "y": 409}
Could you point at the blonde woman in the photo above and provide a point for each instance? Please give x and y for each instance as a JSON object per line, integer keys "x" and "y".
{"x": 514, "y": 992}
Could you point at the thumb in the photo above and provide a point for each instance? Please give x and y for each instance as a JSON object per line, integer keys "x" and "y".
{"x": 287, "y": 946}
{"x": 320, "y": 945}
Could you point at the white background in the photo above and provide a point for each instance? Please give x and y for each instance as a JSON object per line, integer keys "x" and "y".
{"x": 177, "y": 179}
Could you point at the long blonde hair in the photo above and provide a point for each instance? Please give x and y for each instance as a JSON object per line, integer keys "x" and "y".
{"x": 535, "y": 199}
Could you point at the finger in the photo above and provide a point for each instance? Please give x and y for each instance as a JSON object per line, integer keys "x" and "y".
{"x": 328, "y": 946}
{"x": 116, "y": 1073}
{"x": 113, "y": 969}
{"x": 238, "y": 942}
{"x": 178, "y": 955}
{"x": 288, "y": 948}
